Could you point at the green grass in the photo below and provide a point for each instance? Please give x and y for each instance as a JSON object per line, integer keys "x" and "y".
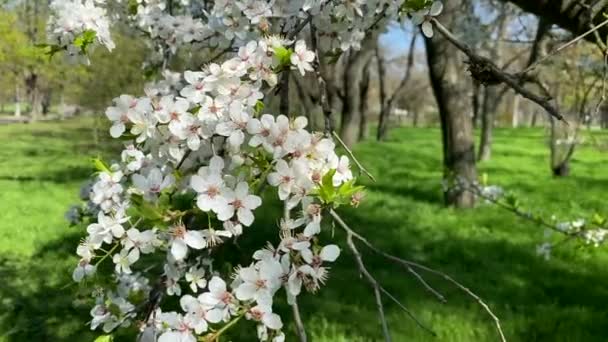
{"x": 492, "y": 252}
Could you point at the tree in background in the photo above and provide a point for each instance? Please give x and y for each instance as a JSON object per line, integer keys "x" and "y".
{"x": 456, "y": 125}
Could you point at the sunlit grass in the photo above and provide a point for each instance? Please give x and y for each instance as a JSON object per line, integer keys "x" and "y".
{"x": 492, "y": 252}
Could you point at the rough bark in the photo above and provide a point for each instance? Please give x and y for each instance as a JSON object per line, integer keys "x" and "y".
{"x": 364, "y": 107}
{"x": 384, "y": 111}
{"x": 475, "y": 104}
{"x": 456, "y": 126}
{"x": 604, "y": 116}
{"x": 487, "y": 124}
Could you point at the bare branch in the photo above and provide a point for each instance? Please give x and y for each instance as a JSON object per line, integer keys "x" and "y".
{"x": 284, "y": 91}
{"x": 565, "y": 46}
{"x": 407, "y": 311}
{"x": 409, "y": 264}
{"x": 372, "y": 281}
{"x": 491, "y": 70}
{"x": 299, "y": 28}
{"x": 352, "y": 156}
{"x": 298, "y": 320}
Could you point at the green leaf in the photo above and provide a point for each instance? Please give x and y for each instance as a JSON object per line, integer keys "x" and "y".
{"x": 84, "y": 40}
{"x": 47, "y": 49}
{"x": 415, "y": 5}
{"x": 183, "y": 201}
{"x": 132, "y": 7}
{"x": 327, "y": 191}
{"x": 146, "y": 209}
{"x": 104, "y": 338}
{"x": 100, "y": 165}
{"x": 195, "y": 110}
{"x": 512, "y": 200}
{"x": 283, "y": 56}
{"x": 259, "y": 106}
{"x": 599, "y": 219}
{"x": 333, "y": 56}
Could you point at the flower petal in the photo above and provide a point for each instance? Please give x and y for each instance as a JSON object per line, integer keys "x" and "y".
{"x": 330, "y": 253}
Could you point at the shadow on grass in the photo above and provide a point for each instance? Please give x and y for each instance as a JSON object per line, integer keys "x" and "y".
{"x": 66, "y": 175}
{"x": 535, "y": 300}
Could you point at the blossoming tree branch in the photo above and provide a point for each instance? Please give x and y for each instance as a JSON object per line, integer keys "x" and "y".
{"x": 198, "y": 151}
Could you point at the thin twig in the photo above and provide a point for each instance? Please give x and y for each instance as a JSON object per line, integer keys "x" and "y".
{"x": 407, "y": 311}
{"x": 565, "y": 46}
{"x": 298, "y": 320}
{"x": 300, "y": 330}
{"x": 299, "y": 28}
{"x": 372, "y": 281}
{"x": 352, "y": 156}
{"x": 409, "y": 264}
{"x": 183, "y": 159}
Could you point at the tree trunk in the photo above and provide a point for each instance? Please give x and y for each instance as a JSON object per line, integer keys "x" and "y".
{"x": 603, "y": 119}
{"x": 364, "y": 107}
{"x": 35, "y": 96}
{"x": 62, "y": 107}
{"x": 456, "y": 126}
{"x": 46, "y": 102}
{"x": 17, "y": 101}
{"x": 387, "y": 102}
{"x": 562, "y": 169}
{"x": 351, "y": 108}
{"x": 487, "y": 125}
{"x": 515, "y": 111}
{"x": 384, "y": 110}
{"x": 475, "y": 104}
{"x": 534, "y": 119}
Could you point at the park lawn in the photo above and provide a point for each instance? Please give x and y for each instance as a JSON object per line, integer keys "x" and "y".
{"x": 489, "y": 250}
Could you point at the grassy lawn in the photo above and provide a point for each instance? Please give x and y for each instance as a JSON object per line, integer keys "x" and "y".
{"x": 492, "y": 252}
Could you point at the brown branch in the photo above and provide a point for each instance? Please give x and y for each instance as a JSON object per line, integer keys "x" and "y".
{"x": 409, "y": 264}
{"x": 299, "y": 28}
{"x": 284, "y": 91}
{"x": 322, "y": 84}
{"x": 298, "y": 321}
{"x": 407, "y": 311}
{"x": 372, "y": 281}
{"x": 493, "y": 71}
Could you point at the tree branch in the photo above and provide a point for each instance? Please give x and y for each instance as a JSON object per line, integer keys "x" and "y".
{"x": 410, "y": 264}
{"x": 372, "y": 281}
{"x": 490, "y": 70}
{"x": 300, "y": 330}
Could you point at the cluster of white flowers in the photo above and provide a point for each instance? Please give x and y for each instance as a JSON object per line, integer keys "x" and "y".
{"x": 198, "y": 152}
{"x": 341, "y": 25}
{"x": 210, "y": 144}
{"x": 174, "y": 31}
{"x": 590, "y": 234}
{"x": 71, "y": 19}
